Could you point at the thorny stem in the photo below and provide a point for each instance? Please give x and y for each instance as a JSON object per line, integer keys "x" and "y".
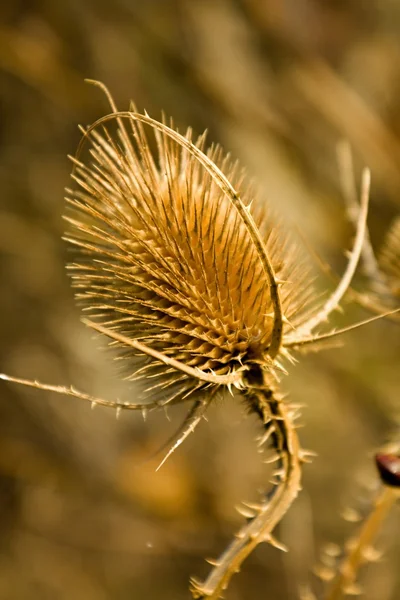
{"x": 351, "y": 563}
{"x": 368, "y": 302}
{"x": 349, "y": 191}
{"x": 268, "y": 514}
{"x": 333, "y": 301}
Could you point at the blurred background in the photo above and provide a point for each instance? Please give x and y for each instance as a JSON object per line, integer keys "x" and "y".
{"x": 83, "y": 514}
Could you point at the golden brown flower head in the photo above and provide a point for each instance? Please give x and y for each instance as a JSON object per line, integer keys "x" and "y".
{"x": 162, "y": 255}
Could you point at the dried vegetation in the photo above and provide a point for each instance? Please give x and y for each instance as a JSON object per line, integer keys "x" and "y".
{"x": 201, "y": 294}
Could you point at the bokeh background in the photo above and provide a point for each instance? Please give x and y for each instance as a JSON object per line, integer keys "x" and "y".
{"x": 83, "y": 514}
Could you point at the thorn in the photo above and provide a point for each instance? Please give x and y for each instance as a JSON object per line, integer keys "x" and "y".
{"x": 93, "y": 405}
{"x": 306, "y": 456}
{"x": 353, "y": 589}
{"x": 274, "y": 482}
{"x": 239, "y": 384}
{"x": 275, "y": 543}
{"x": 118, "y": 412}
{"x": 287, "y": 322}
{"x": 294, "y": 414}
{"x": 275, "y": 375}
{"x": 196, "y": 588}
{"x": 212, "y": 561}
{"x": 324, "y": 573}
{"x": 245, "y": 512}
{"x": 331, "y": 549}
{"x": 371, "y": 554}
{"x": 265, "y": 436}
{"x": 328, "y": 561}
{"x": 279, "y": 473}
{"x": 285, "y": 352}
{"x": 166, "y": 413}
{"x": 272, "y": 459}
{"x": 254, "y": 506}
{"x": 144, "y": 413}
{"x": 279, "y": 367}
{"x": 351, "y": 515}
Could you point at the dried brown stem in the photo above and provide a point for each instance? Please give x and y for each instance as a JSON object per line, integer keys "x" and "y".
{"x": 265, "y": 516}
{"x": 355, "y": 557}
{"x": 333, "y": 301}
{"x": 349, "y": 191}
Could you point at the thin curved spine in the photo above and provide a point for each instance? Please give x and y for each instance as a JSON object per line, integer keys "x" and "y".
{"x": 189, "y": 425}
{"x": 235, "y": 378}
{"x": 308, "y": 341}
{"x": 347, "y": 178}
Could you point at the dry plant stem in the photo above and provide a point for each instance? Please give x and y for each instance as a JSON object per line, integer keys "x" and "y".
{"x": 354, "y": 559}
{"x": 366, "y": 301}
{"x": 349, "y": 191}
{"x": 333, "y": 301}
{"x": 336, "y": 332}
{"x": 192, "y": 420}
{"x": 71, "y": 391}
{"x": 268, "y": 514}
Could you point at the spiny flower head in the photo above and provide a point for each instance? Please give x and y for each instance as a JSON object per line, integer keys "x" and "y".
{"x": 162, "y": 255}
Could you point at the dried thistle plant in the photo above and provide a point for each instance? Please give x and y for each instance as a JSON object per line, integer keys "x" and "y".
{"x": 197, "y": 291}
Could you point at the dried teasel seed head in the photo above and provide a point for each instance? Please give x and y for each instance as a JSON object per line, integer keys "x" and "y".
{"x": 163, "y": 256}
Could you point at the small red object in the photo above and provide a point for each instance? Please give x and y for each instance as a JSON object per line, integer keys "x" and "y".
{"x": 389, "y": 468}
